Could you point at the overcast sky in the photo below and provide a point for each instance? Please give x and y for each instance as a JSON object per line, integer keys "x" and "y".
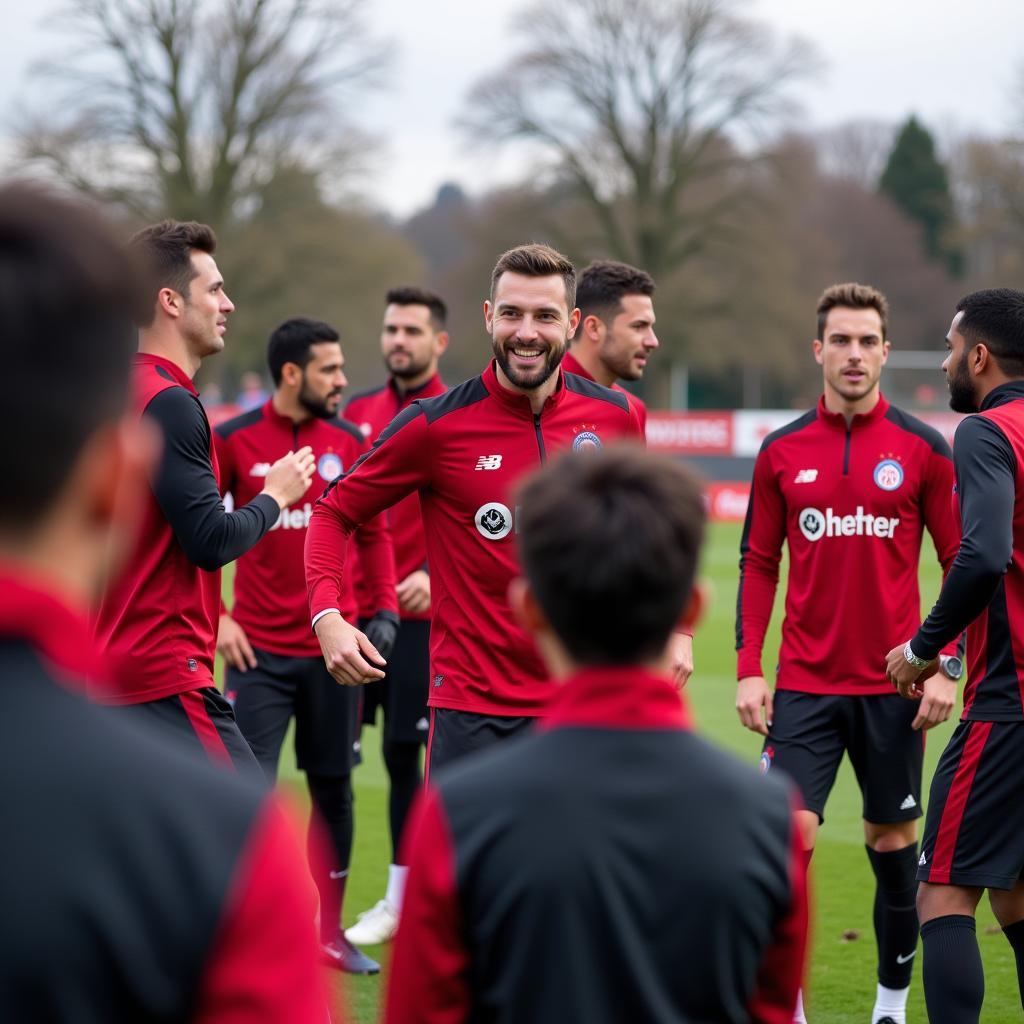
{"x": 884, "y": 59}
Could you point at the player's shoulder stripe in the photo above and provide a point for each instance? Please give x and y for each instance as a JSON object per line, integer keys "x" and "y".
{"x": 347, "y": 426}
{"x": 591, "y": 389}
{"x": 912, "y": 425}
{"x": 368, "y": 393}
{"x": 793, "y": 427}
{"x": 469, "y": 392}
{"x": 246, "y": 419}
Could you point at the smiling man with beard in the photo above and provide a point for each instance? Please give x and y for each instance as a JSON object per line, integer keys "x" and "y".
{"x": 464, "y": 452}
{"x": 274, "y": 669}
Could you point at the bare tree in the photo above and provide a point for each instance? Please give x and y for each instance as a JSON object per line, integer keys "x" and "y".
{"x": 186, "y": 107}
{"x": 645, "y": 106}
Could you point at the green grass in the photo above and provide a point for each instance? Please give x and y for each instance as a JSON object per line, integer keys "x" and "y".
{"x": 842, "y": 974}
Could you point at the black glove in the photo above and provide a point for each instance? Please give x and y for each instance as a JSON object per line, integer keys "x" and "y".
{"x": 382, "y": 632}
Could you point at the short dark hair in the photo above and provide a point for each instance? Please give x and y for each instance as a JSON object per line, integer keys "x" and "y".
{"x": 291, "y": 342}
{"x": 851, "y": 295}
{"x": 995, "y": 317}
{"x": 409, "y": 295}
{"x": 609, "y": 542}
{"x": 603, "y": 285}
{"x": 165, "y": 254}
{"x": 537, "y": 260}
{"x": 68, "y": 296}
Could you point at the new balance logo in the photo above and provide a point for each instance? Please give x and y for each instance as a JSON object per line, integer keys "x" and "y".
{"x": 908, "y": 802}
{"x": 489, "y": 462}
{"x": 260, "y": 469}
{"x": 806, "y": 476}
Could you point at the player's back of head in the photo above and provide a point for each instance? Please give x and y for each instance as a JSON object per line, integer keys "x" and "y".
{"x": 995, "y": 317}
{"x": 67, "y": 298}
{"x": 609, "y": 542}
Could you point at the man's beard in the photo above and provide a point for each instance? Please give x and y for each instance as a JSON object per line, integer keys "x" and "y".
{"x": 533, "y": 379}
{"x": 407, "y": 372}
{"x": 961, "y": 388}
{"x": 317, "y": 407}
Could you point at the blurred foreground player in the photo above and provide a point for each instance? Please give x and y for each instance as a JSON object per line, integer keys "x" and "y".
{"x": 850, "y": 488}
{"x": 612, "y": 866}
{"x": 464, "y": 451}
{"x": 412, "y": 341}
{"x": 140, "y": 884}
{"x": 974, "y": 833}
{"x": 158, "y": 619}
{"x": 274, "y": 667}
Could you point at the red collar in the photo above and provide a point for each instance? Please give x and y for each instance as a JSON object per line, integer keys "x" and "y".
{"x": 285, "y": 422}
{"x": 862, "y": 419}
{"x": 31, "y": 611}
{"x": 513, "y": 400}
{"x": 570, "y": 364}
{"x": 432, "y": 387}
{"x": 179, "y": 375}
{"x": 617, "y": 698}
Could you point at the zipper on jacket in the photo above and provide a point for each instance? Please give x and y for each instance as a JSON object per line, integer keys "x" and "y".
{"x": 540, "y": 437}
{"x": 295, "y": 436}
{"x": 846, "y": 451}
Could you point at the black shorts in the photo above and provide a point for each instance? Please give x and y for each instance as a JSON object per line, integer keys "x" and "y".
{"x": 203, "y": 722}
{"x": 326, "y": 713}
{"x": 402, "y": 693}
{"x": 454, "y": 734}
{"x": 974, "y": 833}
{"x": 810, "y": 732}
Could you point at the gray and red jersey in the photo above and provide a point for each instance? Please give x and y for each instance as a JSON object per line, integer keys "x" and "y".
{"x": 984, "y": 591}
{"x": 270, "y": 591}
{"x": 142, "y": 883}
{"x": 851, "y": 502}
{"x": 464, "y": 452}
{"x": 371, "y": 412}
{"x": 549, "y": 882}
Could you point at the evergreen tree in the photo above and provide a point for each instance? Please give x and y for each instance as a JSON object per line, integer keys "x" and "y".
{"x": 916, "y": 180}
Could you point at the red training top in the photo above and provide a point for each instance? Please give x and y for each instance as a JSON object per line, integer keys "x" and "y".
{"x": 270, "y": 594}
{"x": 852, "y": 503}
{"x": 464, "y": 452}
{"x": 372, "y": 411}
{"x": 570, "y": 364}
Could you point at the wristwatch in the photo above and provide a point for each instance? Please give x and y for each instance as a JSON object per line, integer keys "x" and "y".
{"x": 912, "y": 659}
{"x": 951, "y": 666}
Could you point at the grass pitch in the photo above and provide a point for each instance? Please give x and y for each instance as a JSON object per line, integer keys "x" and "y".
{"x": 841, "y": 984}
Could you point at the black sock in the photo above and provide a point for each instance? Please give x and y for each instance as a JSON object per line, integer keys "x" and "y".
{"x": 332, "y": 801}
{"x": 403, "y": 764}
{"x": 954, "y": 982}
{"x": 895, "y": 914}
{"x": 1015, "y": 936}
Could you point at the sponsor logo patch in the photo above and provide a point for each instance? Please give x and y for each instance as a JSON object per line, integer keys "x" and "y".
{"x": 493, "y": 520}
{"x": 888, "y": 474}
{"x": 815, "y": 524}
{"x": 329, "y": 466}
{"x": 586, "y": 439}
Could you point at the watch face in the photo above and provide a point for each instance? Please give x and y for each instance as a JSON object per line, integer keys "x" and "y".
{"x": 952, "y": 667}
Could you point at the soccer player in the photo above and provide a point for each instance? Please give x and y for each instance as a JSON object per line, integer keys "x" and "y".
{"x": 412, "y": 341}
{"x": 464, "y": 451}
{"x": 612, "y": 866}
{"x": 974, "y": 832}
{"x": 274, "y": 668}
{"x": 616, "y": 336}
{"x": 140, "y": 884}
{"x": 158, "y": 620}
{"x": 850, "y": 487}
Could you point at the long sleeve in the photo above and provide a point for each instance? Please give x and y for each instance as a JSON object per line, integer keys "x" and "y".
{"x": 188, "y": 492}
{"x": 760, "y": 553}
{"x": 782, "y": 968}
{"x": 429, "y": 981}
{"x": 396, "y": 465}
{"x": 986, "y": 484}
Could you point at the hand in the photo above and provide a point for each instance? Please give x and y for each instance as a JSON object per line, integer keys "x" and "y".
{"x": 680, "y": 650}
{"x": 382, "y": 632}
{"x": 937, "y": 702}
{"x": 413, "y": 592}
{"x": 289, "y": 478}
{"x": 349, "y": 656}
{"x": 753, "y": 694}
{"x": 903, "y": 675}
{"x": 233, "y": 645}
